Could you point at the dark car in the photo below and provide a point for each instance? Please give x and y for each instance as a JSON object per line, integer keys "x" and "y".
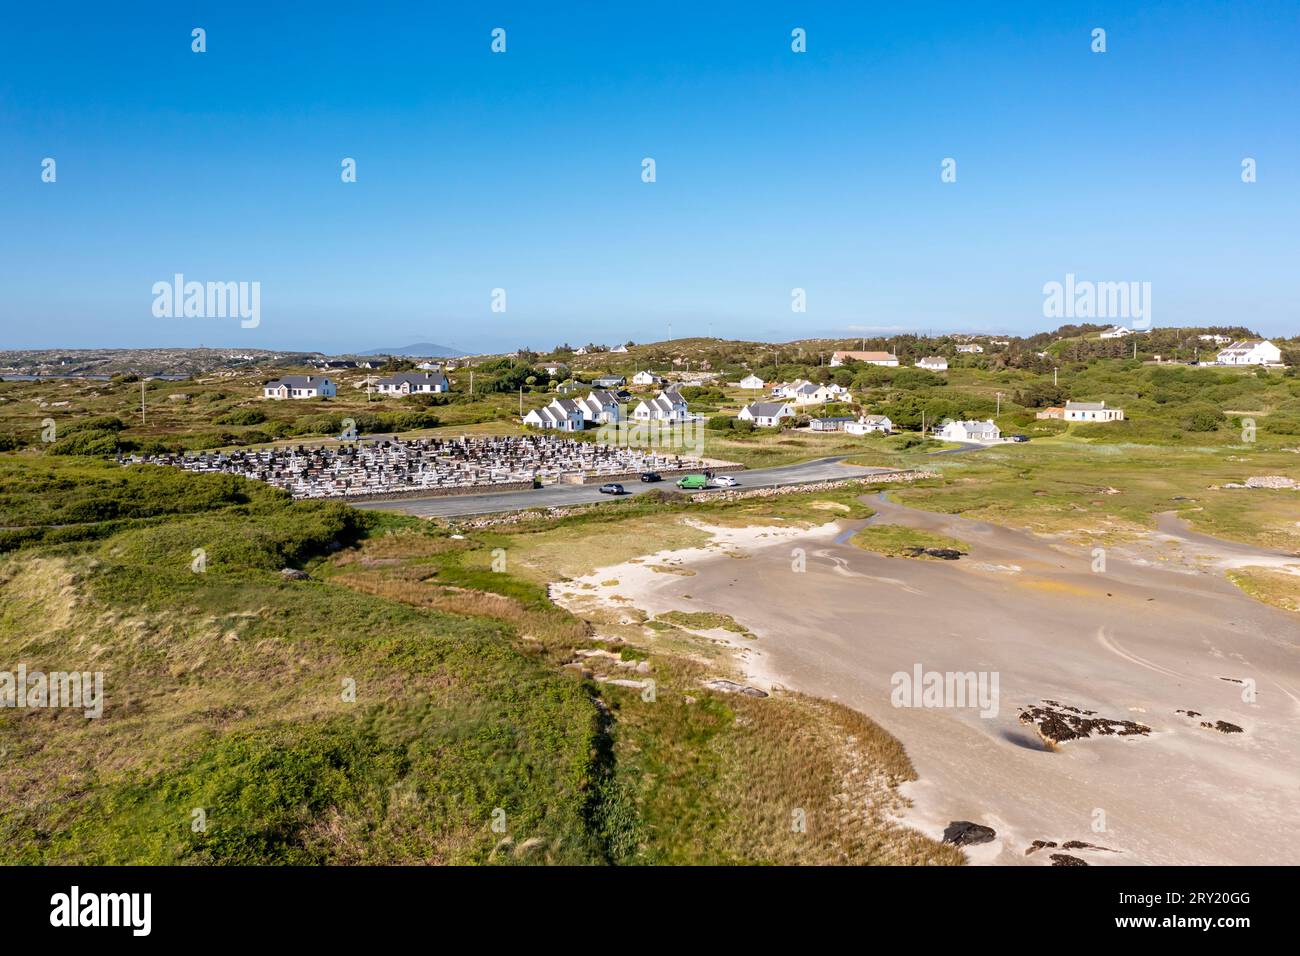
{"x": 1020, "y": 438}
{"x": 651, "y": 476}
{"x": 612, "y": 489}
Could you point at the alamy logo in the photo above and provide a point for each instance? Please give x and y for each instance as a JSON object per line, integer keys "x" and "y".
{"x": 208, "y": 300}
{"x": 103, "y": 909}
{"x": 80, "y": 690}
{"x": 1084, "y": 299}
{"x": 946, "y": 689}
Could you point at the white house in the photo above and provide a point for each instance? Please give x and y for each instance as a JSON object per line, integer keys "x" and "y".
{"x": 619, "y": 348}
{"x": 971, "y": 349}
{"x": 554, "y": 369}
{"x": 1092, "y": 412}
{"x": 933, "y": 363}
{"x": 1250, "y": 352}
{"x": 869, "y": 358}
{"x": 751, "y": 382}
{"x": 667, "y": 406}
{"x": 1216, "y": 339}
{"x": 563, "y": 414}
{"x": 870, "y": 423}
{"x": 299, "y": 386}
{"x": 646, "y": 377}
{"x": 411, "y": 383}
{"x": 766, "y": 414}
{"x": 600, "y": 407}
{"x": 985, "y": 431}
{"x": 1116, "y": 332}
{"x": 834, "y": 393}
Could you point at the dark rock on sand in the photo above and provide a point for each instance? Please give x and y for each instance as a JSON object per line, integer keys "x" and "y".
{"x": 1188, "y": 713}
{"x": 1040, "y": 845}
{"x": 1080, "y": 845}
{"x": 1064, "y": 859}
{"x": 1222, "y": 726}
{"x": 1057, "y": 723}
{"x": 965, "y": 833}
{"x": 946, "y": 554}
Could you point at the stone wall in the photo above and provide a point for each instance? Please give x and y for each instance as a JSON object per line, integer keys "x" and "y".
{"x": 433, "y": 492}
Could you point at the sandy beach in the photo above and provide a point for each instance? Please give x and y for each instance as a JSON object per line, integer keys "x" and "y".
{"x": 1158, "y": 638}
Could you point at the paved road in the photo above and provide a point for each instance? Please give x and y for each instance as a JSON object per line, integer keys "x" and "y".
{"x": 823, "y": 469}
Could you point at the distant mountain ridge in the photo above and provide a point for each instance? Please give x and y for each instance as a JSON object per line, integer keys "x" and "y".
{"x": 420, "y": 349}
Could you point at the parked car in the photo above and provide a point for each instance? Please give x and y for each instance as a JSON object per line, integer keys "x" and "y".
{"x": 1020, "y": 438}
{"x": 612, "y": 488}
{"x": 723, "y": 481}
{"x": 651, "y": 476}
{"x": 692, "y": 482}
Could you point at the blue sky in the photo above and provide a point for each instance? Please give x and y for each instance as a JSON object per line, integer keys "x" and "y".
{"x": 522, "y": 170}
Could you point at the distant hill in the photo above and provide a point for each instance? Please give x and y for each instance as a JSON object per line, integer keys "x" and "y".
{"x": 424, "y": 349}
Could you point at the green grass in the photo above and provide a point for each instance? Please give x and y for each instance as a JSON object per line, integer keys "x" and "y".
{"x": 896, "y": 541}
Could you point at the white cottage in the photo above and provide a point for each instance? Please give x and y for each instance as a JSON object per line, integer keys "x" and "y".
{"x": 766, "y": 414}
{"x": 985, "y": 431}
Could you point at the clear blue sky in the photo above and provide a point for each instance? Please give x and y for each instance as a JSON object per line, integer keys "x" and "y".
{"x": 523, "y": 170}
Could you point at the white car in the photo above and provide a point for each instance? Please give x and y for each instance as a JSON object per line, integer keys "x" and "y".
{"x": 724, "y": 481}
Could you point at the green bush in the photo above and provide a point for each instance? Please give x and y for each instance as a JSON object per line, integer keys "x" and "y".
{"x": 242, "y": 416}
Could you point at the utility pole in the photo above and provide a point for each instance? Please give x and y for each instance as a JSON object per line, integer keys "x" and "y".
{"x": 471, "y": 384}
{"x": 999, "y": 411}
{"x": 142, "y": 401}
{"x": 1053, "y": 376}
{"x": 521, "y": 401}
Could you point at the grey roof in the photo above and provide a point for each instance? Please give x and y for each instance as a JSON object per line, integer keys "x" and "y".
{"x": 603, "y": 396}
{"x": 873, "y": 419}
{"x": 765, "y": 409}
{"x": 1085, "y": 406}
{"x": 297, "y": 381}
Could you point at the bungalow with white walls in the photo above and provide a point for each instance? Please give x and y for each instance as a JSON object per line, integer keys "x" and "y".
{"x": 609, "y": 381}
{"x": 1250, "y": 352}
{"x": 870, "y": 423}
{"x": 1116, "y": 332}
{"x": 766, "y": 414}
{"x": 933, "y": 363}
{"x": 299, "y": 386}
{"x": 1092, "y": 412}
{"x": 752, "y": 382}
{"x": 985, "y": 431}
{"x": 646, "y": 377}
{"x": 563, "y": 414}
{"x": 413, "y": 383}
{"x": 667, "y": 406}
{"x": 867, "y": 358}
{"x": 970, "y": 349}
{"x": 619, "y": 348}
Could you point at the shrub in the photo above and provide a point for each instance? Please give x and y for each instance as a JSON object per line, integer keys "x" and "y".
{"x": 242, "y": 416}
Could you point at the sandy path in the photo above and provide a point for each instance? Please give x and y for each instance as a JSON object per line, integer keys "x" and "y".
{"x": 1156, "y": 632}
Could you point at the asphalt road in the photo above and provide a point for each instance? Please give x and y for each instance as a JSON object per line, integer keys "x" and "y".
{"x": 822, "y": 469}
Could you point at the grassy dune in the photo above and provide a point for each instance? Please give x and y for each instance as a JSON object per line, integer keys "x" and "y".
{"x": 230, "y": 732}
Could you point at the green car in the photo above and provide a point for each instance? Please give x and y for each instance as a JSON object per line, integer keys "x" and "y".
{"x": 692, "y": 482}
